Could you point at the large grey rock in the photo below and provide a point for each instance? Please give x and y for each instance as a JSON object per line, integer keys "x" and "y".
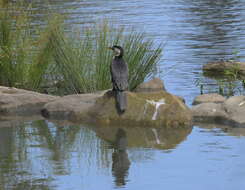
{"x": 209, "y": 112}
{"x": 15, "y": 101}
{"x": 148, "y": 109}
{"x": 209, "y": 98}
{"x": 72, "y": 107}
{"x": 235, "y": 108}
{"x": 155, "y": 109}
{"x": 154, "y": 85}
{"x": 230, "y": 112}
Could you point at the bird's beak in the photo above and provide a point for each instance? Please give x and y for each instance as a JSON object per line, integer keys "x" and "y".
{"x": 110, "y": 48}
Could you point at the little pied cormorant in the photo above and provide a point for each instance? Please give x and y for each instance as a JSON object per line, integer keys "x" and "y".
{"x": 119, "y": 77}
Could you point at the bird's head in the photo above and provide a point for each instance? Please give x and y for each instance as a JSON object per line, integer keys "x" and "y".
{"x": 118, "y": 51}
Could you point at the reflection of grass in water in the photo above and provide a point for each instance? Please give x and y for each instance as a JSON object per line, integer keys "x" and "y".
{"x": 64, "y": 141}
{"x": 229, "y": 82}
{"x": 51, "y": 148}
{"x": 17, "y": 168}
{"x": 42, "y": 149}
{"x": 224, "y": 86}
{"x": 67, "y": 61}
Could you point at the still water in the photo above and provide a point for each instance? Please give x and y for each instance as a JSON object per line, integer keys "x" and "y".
{"x": 42, "y": 155}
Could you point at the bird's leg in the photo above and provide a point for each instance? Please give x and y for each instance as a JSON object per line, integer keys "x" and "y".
{"x": 114, "y": 87}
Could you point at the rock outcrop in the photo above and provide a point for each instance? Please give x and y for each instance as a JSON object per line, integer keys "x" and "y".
{"x": 15, "y": 101}
{"x": 154, "y": 85}
{"x": 72, "y": 107}
{"x": 228, "y": 112}
{"x": 144, "y": 109}
{"x": 154, "y": 108}
{"x": 209, "y": 98}
{"x": 219, "y": 68}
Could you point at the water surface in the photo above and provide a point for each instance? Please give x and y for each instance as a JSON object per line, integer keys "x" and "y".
{"x": 44, "y": 155}
{"x": 194, "y": 32}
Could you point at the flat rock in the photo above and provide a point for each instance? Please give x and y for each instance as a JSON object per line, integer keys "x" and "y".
{"x": 141, "y": 111}
{"x": 209, "y": 112}
{"x": 217, "y": 68}
{"x": 72, "y": 107}
{"x": 209, "y": 98}
{"x": 230, "y": 112}
{"x": 15, "y": 101}
{"x": 235, "y": 107}
{"x": 154, "y": 85}
{"x": 145, "y": 109}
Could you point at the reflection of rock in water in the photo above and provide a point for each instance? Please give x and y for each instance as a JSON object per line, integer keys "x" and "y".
{"x": 6, "y": 142}
{"x": 120, "y": 159}
{"x": 229, "y": 130}
{"x": 160, "y": 138}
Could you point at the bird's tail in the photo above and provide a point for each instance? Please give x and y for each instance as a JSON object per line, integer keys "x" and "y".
{"x": 121, "y": 100}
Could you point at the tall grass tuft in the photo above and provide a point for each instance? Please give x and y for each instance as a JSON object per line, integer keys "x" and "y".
{"x": 73, "y": 62}
{"x": 14, "y": 45}
{"x": 84, "y": 64}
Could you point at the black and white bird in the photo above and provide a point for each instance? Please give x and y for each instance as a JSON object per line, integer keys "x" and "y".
{"x": 119, "y": 77}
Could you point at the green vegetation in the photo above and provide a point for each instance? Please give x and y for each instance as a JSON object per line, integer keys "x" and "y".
{"x": 229, "y": 81}
{"x": 228, "y": 84}
{"x": 14, "y": 45}
{"x": 74, "y": 62}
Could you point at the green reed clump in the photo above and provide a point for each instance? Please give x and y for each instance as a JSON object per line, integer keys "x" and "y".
{"x": 70, "y": 62}
{"x": 84, "y": 65}
{"x": 14, "y": 45}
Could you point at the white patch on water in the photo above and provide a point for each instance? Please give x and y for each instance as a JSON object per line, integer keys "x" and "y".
{"x": 157, "y": 105}
{"x": 156, "y": 136}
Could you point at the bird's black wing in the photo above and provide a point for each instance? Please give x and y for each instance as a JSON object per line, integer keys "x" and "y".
{"x": 119, "y": 74}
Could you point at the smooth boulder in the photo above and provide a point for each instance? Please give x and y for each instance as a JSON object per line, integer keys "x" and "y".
{"x": 235, "y": 108}
{"x": 209, "y": 112}
{"x": 230, "y": 112}
{"x": 15, "y": 101}
{"x": 219, "y": 68}
{"x": 209, "y": 98}
{"x": 72, "y": 107}
{"x": 145, "y": 109}
{"x": 155, "y": 109}
{"x": 154, "y": 85}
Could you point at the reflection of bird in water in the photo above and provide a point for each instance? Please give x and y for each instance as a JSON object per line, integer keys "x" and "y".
{"x": 119, "y": 78}
{"x": 120, "y": 159}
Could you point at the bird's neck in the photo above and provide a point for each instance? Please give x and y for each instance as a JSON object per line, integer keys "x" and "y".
{"x": 118, "y": 57}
